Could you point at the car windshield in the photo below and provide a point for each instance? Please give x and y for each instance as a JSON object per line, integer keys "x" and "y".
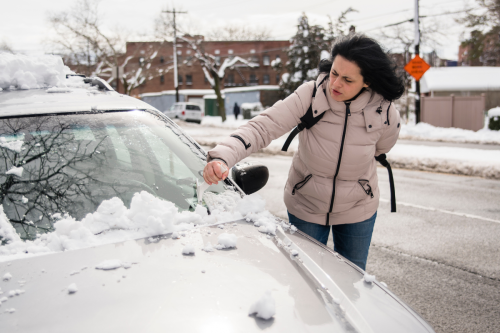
{"x": 71, "y": 163}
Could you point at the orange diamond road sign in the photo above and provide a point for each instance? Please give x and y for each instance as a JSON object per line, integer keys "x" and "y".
{"x": 416, "y": 67}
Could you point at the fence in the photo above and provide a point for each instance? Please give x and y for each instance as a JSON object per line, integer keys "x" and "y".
{"x": 454, "y": 111}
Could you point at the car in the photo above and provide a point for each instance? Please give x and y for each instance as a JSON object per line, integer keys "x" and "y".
{"x": 186, "y": 111}
{"x": 101, "y": 230}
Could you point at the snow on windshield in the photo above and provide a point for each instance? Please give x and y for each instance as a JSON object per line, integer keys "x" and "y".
{"x": 148, "y": 216}
{"x": 32, "y": 72}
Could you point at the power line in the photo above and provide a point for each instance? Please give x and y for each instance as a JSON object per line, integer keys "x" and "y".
{"x": 398, "y": 11}
{"x": 412, "y": 20}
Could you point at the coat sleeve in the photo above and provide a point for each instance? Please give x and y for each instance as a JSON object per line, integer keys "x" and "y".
{"x": 268, "y": 126}
{"x": 391, "y": 133}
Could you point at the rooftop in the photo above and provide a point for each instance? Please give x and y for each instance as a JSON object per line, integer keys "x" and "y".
{"x": 461, "y": 79}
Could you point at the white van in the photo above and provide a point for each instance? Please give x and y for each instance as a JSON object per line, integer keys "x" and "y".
{"x": 185, "y": 111}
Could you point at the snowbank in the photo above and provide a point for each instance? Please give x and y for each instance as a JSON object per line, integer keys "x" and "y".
{"x": 147, "y": 216}
{"x": 31, "y": 72}
{"x": 420, "y": 132}
{"x": 461, "y": 161}
{"x": 426, "y": 132}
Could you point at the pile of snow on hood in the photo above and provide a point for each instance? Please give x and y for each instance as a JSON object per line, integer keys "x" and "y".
{"x": 147, "y": 216}
{"x": 31, "y": 72}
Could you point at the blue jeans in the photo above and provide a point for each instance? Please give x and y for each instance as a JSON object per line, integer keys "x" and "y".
{"x": 352, "y": 241}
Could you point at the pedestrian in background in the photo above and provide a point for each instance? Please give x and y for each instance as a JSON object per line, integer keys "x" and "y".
{"x": 332, "y": 183}
{"x": 236, "y": 111}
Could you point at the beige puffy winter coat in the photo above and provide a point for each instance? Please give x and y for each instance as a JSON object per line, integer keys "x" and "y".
{"x": 333, "y": 177}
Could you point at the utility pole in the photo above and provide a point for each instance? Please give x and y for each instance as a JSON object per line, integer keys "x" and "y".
{"x": 417, "y": 53}
{"x": 176, "y": 82}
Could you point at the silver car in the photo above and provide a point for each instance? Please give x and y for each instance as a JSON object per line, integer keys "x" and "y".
{"x": 234, "y": 269}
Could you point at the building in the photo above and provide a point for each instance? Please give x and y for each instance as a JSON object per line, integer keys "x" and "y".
{"x": 156, "y": 61}
{"x": 463, "y": 81}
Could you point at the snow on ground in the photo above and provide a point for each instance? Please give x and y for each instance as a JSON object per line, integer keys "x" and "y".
{"x": 147, "y": 216}
{"x": 426, "y": 132}
{"x": 461, "y": 161}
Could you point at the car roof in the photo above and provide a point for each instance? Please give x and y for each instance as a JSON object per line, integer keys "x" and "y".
{"x": 62, "y": 100}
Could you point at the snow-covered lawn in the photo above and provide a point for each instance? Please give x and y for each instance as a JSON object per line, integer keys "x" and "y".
{"x": 461, "y": 161}
{"x": 420, "y": 132}
{"x": 426, "y": 132}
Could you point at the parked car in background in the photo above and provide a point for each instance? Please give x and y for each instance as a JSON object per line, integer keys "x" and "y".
{"x": 110, "y": 235}
{"x": 186, "y": 111}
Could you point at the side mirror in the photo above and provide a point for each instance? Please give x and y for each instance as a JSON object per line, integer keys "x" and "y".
{"x": 249, "y": 177}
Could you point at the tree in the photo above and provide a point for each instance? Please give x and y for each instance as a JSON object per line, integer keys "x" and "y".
{"x": 85, "y": 45}
{"x": 303, "y": 56}
{"x": 214, "y": 71}
{"x": 483, "y": 42}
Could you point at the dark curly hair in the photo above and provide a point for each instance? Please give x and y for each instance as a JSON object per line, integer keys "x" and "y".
{"x": 377, "y": 68}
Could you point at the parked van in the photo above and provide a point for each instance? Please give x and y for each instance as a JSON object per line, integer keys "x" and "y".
{"x": 185, "y": 111}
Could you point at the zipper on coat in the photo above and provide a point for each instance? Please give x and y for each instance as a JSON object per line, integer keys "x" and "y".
{"x": 242, "y": 141}
{"x": 301, "y": 184}
{"x": 363, "y": 183}
{"x": 347, "y": 114}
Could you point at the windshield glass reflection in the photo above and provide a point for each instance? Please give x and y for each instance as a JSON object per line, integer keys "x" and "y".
{"x": 71, "y": 163}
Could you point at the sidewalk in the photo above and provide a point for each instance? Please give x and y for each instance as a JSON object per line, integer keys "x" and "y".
{"x": 463, "y": 153}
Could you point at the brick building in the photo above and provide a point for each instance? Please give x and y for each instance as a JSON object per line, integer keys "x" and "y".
{"x": 156, "y": 59}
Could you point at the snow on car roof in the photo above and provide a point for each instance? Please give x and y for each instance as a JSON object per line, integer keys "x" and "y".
{"x": 43, "y": 101}
{"x": 31, "y": 72}
{"x": 461, "y": 79}
{"x": 38, "y": 84}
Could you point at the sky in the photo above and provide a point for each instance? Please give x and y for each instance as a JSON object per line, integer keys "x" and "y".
{"x": 24, "y": 26}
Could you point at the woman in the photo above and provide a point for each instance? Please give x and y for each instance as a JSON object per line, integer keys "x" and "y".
{"x": 332, "y": 182}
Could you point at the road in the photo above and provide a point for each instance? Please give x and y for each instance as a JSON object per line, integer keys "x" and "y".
{"x": 440, "y": 252}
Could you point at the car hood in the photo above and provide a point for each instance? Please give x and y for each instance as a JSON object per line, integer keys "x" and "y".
{"x": 164, "y": 290}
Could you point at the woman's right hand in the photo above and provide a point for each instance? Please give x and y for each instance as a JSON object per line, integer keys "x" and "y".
{"x": 214, "y": 172}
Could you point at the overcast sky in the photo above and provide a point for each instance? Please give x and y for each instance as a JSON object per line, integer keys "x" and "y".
{"x": 23, "y": 23}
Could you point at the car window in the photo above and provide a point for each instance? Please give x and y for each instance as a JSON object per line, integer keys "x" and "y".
{"x": 71, "y": 163}
{"x": 193, "y": 107}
